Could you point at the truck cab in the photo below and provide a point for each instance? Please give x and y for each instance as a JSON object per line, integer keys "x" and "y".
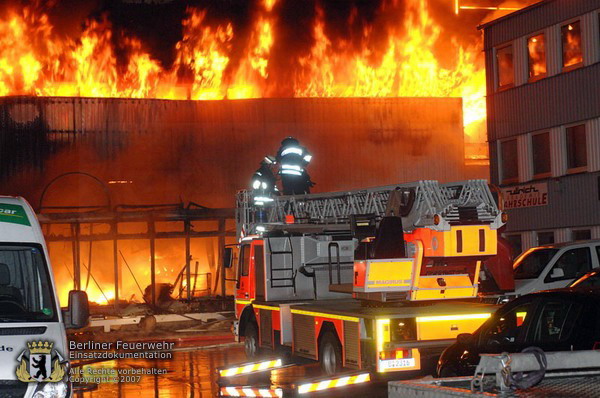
{"x": 250, "y": 251}
{"x": 33, "y": 347}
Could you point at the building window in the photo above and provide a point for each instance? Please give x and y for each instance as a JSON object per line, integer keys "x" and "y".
{"x": 545, "y": 238}
{"x": 576, "y": 148}
{"x": 540, "y": 144}
{"x": 572, "y": 56}
{"x": 516, "y": 243}
{"x": 536, "y": 47}
{"x": 582, "y": 234}
{"x": 509, "y": 162}
{"x": 505, "y": 67}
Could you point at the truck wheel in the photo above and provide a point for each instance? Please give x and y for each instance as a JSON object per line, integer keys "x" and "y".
{"x": 330, "y": 354}
{"x": 251, "y": 340}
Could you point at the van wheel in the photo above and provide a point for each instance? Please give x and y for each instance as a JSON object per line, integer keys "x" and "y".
{"x": 330, "y": 354}
{"x": 251, "y": 340}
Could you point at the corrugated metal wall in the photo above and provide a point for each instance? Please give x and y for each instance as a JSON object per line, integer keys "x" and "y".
{"x": 527, "y": 21}
{"x": 573, "y": 201}
{"x": 561, "y": 99}
{"x": 205, "y": 151}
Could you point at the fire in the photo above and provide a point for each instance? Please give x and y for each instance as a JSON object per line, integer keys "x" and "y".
{"x": 133, "y": 266}
{"x": 408, "y": 68}
{"x": 34, "y": 60}
{"x": 571, "y": 38}
{"x": 537, "y": 56}
{"x": 209, "y": 64}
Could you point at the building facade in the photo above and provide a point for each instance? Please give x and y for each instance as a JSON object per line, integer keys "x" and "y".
{"x": 543, "y": 102}
{"x": 166, "y": 151}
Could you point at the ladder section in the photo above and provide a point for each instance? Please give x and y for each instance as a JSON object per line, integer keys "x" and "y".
{"x": 280, "y": 274}
{"x": 461, "y": 202}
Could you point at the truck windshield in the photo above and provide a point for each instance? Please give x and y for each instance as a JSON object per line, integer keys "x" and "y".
{"x": 531, "y": 264}
{"x": 26, "y": 293}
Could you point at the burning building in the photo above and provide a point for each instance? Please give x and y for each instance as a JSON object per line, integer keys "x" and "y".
{"x": 381, "y": 92}
{"x": 147, "y": 152}
{"x": 543, "y": 75}
{"x": 246, "y": 49}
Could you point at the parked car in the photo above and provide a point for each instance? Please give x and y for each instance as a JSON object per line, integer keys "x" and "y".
{"x": 554, "y": 266}
{"x": 591, "y": 279}
{"x": 560, "y": 320}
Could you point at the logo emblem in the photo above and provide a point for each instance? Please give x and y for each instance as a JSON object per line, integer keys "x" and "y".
{"x": 40, "y": 363}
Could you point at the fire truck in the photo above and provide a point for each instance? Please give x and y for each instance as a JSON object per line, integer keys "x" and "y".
{"x": 378, "y": 279}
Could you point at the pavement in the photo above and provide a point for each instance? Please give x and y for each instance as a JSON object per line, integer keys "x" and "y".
{"x": 192, "y": 372}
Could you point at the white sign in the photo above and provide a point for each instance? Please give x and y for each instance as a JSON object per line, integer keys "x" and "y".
{"x": 528, "y": 195}
{"x": 396, "y": 363}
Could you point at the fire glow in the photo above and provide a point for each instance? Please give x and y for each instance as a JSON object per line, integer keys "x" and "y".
{"x": 35, "y": 60}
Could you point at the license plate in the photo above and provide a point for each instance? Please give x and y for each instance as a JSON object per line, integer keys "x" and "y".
{"x": 397, "y": 363}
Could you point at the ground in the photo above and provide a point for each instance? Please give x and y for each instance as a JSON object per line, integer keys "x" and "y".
{"x": 192, "y": 373}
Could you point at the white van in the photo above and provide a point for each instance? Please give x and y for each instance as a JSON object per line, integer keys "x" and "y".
{"x": 554, "y": 266}
{"x": 33, "y": 341}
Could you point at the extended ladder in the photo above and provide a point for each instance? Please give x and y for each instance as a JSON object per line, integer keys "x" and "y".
{"x": 421, "y": 201}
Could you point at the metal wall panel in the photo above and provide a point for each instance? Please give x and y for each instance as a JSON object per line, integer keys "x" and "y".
{"x": 534, "y": 18}
{"x": 351, "y": 344}
{"x": 573, "y": 201}
{"x": 304, "y": 335}
{"x": 590, "y": 33}
{"x": 561, "y": 99}
{"x": 204, "y": 151}
{"x": 494, "y": 169}
{"x": 266, "y": 328}
{"x": 593, "y": 136}
{"x": 558, "y": 151}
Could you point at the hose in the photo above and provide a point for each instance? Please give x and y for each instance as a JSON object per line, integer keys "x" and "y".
{"x": 523, "y": 381}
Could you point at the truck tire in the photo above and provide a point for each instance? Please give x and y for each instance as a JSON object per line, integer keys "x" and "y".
{"x": 330, "y": 354}
{"x": 251, "y": 340}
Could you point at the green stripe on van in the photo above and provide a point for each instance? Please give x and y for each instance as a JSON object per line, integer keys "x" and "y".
{"x": 14, "y": 214}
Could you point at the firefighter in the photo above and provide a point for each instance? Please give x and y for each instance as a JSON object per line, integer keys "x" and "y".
{"x": 293, "y": 160}
{"x": 264, "y": 183}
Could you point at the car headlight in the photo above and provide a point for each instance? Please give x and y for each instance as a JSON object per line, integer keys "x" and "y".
{"x": 52, "y": 390}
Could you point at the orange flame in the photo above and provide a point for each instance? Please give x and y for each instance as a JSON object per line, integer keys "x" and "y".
{"x": 34, "y": 61}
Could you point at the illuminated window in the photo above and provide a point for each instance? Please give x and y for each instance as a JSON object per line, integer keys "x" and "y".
{"x": 536, "y": 49}
{"x": 509, "y": 163}
{"x": 571, "y": 44}
{"x": 576, "y": 147}
{"x": 505, "y": 67}
{"x": 540, "y": 144}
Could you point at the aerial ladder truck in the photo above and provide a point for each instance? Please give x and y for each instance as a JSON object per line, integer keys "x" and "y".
{"x": 375, "y": 279}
